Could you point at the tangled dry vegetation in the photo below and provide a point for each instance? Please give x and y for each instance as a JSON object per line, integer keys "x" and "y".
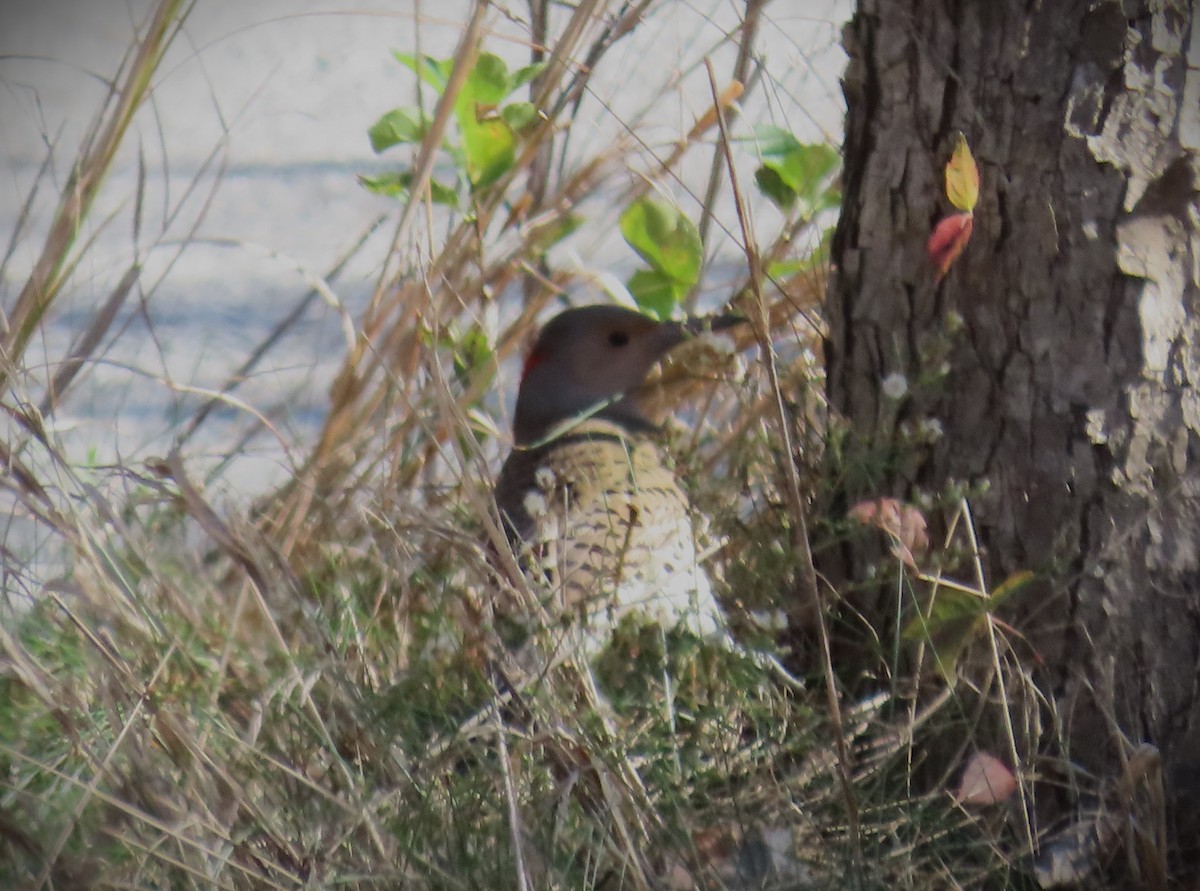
{"x": 299, "y": 692}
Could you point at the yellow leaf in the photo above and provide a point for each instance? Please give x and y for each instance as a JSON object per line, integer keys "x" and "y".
{"x": 962, "y": 177}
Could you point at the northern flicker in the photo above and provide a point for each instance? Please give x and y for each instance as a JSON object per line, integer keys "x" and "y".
{"x": 598, "y": 522}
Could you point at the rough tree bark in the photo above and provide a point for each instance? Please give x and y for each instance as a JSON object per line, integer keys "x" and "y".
{"x": 1073, "y": 384}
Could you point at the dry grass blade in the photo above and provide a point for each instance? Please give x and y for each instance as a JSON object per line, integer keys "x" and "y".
{"x": 81, "y": 187}
{"x": 88, "y": 340}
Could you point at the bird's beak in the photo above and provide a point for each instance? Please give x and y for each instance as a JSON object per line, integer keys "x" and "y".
{"x": 672, "y": 333}
{"x": 698, "y": 325}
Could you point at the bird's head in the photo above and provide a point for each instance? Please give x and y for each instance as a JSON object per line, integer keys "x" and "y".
{"x": 594, "y": 356}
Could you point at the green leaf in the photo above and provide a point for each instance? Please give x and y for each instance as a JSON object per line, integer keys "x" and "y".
{"x": 524, "y": 75}
{"x": 488, "y": 82}
{"x": 794, "y": 170}
{"x": 435, "y": 72}
{"x": 397, "y": 185}
{"x": 952, "y": 614}
{"x": 771, "y": 184}
{"x": 665, "y": 239}
{"x": 956, "y": 618}
{"x": 397, "y": 126}
{"x": 389, "y": 184}
{"x": 489, "y": 145}
{"x": 656, "y": 292}
{"x": 805, "y": 170}
{"x": 808, "y": 169}
{"x": 551, "y": 234}
{"x": 490, "y": 149}
{"x": 519, "y": 115}
{"x": 772, "y": 141}
{"x": 471, "y": 350}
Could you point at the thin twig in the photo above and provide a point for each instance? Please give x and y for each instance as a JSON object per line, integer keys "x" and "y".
{"x": 749, "y": 31}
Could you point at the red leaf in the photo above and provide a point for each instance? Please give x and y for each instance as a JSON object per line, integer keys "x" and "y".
{"x": 949, "y": 238}
{"x": 985, "y": 780}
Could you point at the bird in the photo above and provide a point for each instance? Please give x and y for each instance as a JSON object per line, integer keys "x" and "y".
{"x": 596, "y": 519}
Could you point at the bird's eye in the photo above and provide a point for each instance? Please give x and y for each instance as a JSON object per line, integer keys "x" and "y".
{"x": 618, "y": 338}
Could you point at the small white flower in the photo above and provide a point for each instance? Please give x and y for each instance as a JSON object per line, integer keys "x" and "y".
{"x": 931, "y": 430}
{"x": 895, "y": 385}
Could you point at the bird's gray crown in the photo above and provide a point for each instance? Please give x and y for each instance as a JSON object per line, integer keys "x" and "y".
{"x": 589, "y": 361}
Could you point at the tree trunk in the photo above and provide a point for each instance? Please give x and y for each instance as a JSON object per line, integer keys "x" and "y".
{"x": 1060, "y": 353}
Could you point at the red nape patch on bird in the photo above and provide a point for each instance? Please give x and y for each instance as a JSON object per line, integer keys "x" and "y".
{"x": 532, "y": 361}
